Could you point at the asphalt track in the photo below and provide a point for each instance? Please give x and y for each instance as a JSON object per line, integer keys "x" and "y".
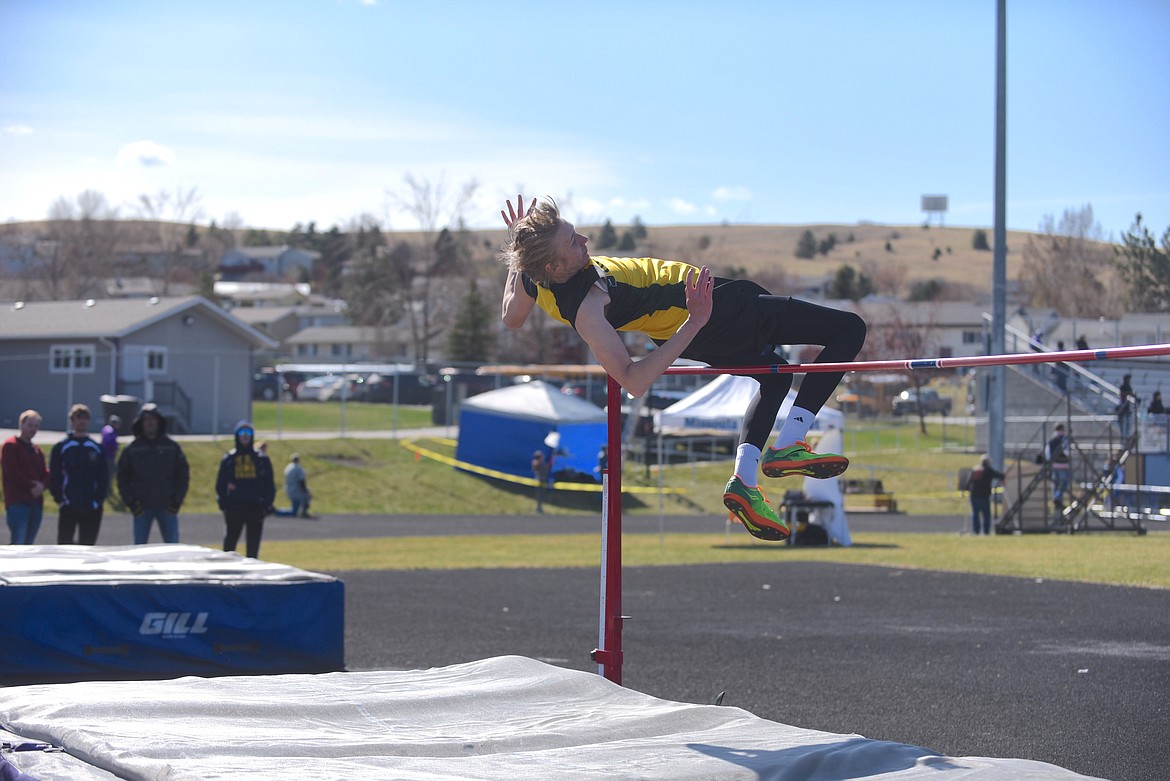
{"x": 967, "y": 665}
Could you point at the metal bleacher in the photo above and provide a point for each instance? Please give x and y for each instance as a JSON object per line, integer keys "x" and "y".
{"x": 1105, "y": 448}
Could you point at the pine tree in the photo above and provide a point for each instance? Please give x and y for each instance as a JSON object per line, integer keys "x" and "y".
{"x": 807, "y": 246}
{"x": 472, "y": 336}
{"x": 608, "y": 236}
{"x": 1145, "y": 268}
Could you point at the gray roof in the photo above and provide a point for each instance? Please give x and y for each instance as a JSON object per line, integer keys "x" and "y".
{"x": 262, "y": 314}
{"x": 953, "y": 314}
{"x": 272, "y": 252}
{"x": 337, "y": 334}
{"x": 111, "y": 318}
{"x": 345, "y": 334}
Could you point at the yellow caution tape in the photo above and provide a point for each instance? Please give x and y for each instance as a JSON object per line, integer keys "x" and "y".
{"x": 529, "y": 481}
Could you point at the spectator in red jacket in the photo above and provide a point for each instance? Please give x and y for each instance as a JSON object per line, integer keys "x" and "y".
{"x": 25, "y": 478}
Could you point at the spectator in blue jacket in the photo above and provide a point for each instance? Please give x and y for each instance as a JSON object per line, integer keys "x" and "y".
{"x": 78, "y": 480}
{"x": 245, "y": 490}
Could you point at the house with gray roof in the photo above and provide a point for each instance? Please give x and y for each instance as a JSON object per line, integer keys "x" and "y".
{"x": 240, "y": 262}
{"x": 351, "y": 343}
{"x": 186, "y": 354}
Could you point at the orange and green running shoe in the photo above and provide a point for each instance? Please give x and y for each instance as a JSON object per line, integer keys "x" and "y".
{"x": 797, "y": 459}
{"x": 750, "y": 506}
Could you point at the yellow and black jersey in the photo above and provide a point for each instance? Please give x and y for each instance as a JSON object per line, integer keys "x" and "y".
{"x": 645, "y": 294}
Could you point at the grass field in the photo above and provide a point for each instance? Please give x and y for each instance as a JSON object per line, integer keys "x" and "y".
{"x": 349, "y": 475}
{"x": 380, "y": 476}
{"x": 270, "y": 417}
{"x": 1118, "y": 559}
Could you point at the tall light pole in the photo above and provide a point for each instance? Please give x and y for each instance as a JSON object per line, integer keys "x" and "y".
{"x": 997, "y": 397}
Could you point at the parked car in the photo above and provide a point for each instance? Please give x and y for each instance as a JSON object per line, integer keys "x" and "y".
{"x": 267, "y": 385}
{"x": 413, "y": 388}
{"x": 858, "y": 401}
{"x": 321, "y": 388}
{"x": 907, "y": 402}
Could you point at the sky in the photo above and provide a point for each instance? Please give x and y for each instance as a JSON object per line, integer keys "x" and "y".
{"x": 675, "y": 112}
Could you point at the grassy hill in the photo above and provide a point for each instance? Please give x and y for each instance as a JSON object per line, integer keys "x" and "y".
{"x": 768, "y": 253}
{"x": 766, "y": 250}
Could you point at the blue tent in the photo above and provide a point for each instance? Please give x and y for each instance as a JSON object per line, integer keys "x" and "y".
{"x": 501, "y": 429}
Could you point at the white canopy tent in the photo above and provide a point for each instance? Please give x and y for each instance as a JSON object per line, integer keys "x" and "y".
{"x": 718, "y": 408}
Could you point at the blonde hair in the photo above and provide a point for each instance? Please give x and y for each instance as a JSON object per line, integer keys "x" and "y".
{"x": 29, "y": 413}
{"x": 531, "y": 246}
{"x": 78, "y": 409}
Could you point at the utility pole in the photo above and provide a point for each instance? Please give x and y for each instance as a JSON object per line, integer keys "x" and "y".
{"x": 997, "y": 396}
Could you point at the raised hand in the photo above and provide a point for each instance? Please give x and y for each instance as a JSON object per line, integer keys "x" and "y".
{"x": 517, "y": 212}
{"x": 700, "y": 295}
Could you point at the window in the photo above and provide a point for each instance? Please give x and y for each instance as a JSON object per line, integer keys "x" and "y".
{"x": 341, "y": 350}
{"x": 972, "y": 337}
{"x": 71, "y": 358}
{"x": 156, "y": 360}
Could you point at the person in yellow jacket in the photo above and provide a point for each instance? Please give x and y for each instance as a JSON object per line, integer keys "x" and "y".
{"x": 689, "y": 313}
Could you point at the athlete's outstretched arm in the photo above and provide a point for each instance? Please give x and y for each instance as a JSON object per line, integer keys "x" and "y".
{"x": 517, "y": 303}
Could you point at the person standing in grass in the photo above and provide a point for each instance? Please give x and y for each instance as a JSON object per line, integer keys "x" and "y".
{"x": 688, "y": 313}
{"x": 25, "y": 478}
{"x": 296, "y": 487}
{"x": 110, "y": 451}
{"x": 540, "y": 475}
{"x": 979, "y": 484}
{"x": 244, "y": 490}
{"x": 78, "y": 481}
{"x": 153, "y": 476}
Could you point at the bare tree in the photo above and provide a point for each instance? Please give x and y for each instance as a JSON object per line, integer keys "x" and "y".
{"x": 172, "y": 215}
{"x": 888, "y": 278}
{"x": 440, "y": 253}
{"x": 77, "y": 246}
{"x": 893, "y": 336}
{"x": 1063, "y": 265}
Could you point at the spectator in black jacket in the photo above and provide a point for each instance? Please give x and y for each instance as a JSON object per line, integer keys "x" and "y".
{"x": 979, "y": 485}
{"x": 153, "y": 476}
{"x": 245, "y": 490}
{"x": 78, "y": 480}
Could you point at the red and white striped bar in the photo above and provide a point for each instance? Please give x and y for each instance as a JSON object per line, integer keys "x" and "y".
{"x": 1009, "y": 359}
{"x": 609, "y": 648}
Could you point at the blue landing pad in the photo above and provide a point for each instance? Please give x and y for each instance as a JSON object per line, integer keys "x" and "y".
{"x": 72, "y": 612}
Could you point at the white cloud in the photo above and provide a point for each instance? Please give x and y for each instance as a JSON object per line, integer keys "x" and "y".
{"x": 16, "y": 130}
{"x": 145, "y": 153}
{"x": 679, "y": 206}
{"x": 732, "y": 194}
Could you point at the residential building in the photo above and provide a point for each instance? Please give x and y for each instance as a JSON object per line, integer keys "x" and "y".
{"x": 188, "y": 355}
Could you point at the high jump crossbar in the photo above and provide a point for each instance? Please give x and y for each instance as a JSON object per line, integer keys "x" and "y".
{"x": 608, "y": 653}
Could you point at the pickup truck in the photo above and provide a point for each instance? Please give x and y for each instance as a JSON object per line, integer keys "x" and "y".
{"x": 906, "y": 402}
